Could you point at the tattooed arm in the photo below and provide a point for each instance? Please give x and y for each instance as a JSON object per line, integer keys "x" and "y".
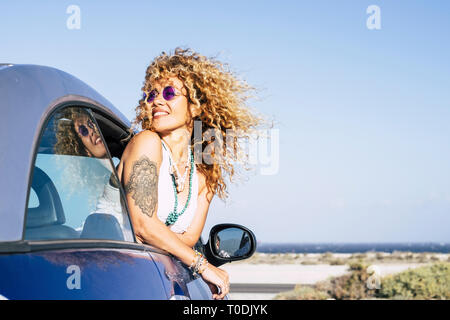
{"x": 142, "y": 185}
{"x": 138, "y": 171}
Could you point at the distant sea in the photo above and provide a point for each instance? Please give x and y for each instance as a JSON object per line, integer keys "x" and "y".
{"x": 351, "y": 247}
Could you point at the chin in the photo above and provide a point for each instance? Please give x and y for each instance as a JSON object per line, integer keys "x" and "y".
{"x": 164, "y": 127}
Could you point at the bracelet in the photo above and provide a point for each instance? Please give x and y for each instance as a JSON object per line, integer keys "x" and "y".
{"x": 198, "y": 264}
{"x": 195, "y": 261}
{"x": 202, "y": 265}
{"x": 198, "y": 260}
{"x": 205, "y": 266}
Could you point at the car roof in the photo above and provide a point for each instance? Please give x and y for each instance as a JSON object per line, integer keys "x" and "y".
{"x": 28, "y": 95}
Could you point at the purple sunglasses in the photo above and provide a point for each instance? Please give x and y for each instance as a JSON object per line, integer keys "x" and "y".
{"x": 168, "y": 92}
{"x": 82, "y": 130}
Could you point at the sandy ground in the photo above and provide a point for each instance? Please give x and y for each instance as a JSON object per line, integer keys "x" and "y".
{"x": 251, "y": 296}
{"x": 294, "y": 274}
{"x": 282, "y": 273}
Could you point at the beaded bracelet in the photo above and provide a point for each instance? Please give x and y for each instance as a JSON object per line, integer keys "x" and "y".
{"x": 205, "y": 266}
{"x": 198, "y": 266}
{"x": 197, "y": 255}
{"x": 196, "y": 263}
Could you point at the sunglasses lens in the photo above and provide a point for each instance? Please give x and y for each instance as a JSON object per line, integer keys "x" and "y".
{"x": 169, "y": 93}
{"x": 151, "y": 96}
{"x": 90, "y": 124}
{"x": 83, "y": 130}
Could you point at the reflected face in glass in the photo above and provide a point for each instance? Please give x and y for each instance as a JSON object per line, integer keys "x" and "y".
{"x": 217, "y": 244}
{"x": 90, "y": 137}
{"x": 232, "y": 242}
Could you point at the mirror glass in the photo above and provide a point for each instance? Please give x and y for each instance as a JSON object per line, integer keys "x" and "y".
{"x": 232, "y": 243}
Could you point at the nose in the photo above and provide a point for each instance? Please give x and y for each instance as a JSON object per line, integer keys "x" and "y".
{"x": 159, "y": 100}
{"x": 93, "y": 131}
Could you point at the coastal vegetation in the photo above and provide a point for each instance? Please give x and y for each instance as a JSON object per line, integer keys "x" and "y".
{"x": 431, "y": 281}
{"x": 346, "y": 258}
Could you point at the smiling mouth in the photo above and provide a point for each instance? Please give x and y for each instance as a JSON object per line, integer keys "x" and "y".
{"x": 160, "y": 114}
{"x": 98, "y": 141}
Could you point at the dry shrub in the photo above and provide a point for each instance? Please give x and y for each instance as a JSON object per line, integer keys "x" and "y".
{"x": 349, "y": 286}
{"x": 428, "y": 282}
{"x": 303, "y": 293}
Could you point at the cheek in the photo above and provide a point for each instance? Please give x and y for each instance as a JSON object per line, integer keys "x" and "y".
{"x": 88, "y": 145}
{"x": 180, "y": 111}
{"x": 100, "y": 152}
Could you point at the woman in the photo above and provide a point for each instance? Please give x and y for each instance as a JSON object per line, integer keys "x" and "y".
{"x": 167, "y": 193}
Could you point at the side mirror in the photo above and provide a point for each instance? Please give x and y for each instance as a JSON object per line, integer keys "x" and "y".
{"x": 229, "y": 242}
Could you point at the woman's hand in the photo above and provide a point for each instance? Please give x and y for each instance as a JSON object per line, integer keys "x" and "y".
{"x": 219, "y": 278}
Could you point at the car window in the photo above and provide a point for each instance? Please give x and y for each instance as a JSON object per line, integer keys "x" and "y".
{"x": 75, "y": 192}
{"x": 33, "y": 201}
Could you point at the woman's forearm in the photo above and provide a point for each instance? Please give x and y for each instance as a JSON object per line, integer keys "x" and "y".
{"x": 189, "y": 240}
{"x": 152, "y": 231}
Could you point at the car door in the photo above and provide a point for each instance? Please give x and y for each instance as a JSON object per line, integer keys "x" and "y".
{"x": 78, "y": 242}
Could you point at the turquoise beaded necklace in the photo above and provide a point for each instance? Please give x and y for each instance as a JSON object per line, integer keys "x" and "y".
{"x": 173, "y": 216}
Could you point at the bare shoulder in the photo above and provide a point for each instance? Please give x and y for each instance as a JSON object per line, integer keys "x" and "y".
{"x": 146, "y": 138}
{"x": 144, "y": 143}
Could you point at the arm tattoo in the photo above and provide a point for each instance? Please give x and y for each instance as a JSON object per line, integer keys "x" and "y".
{"x": 143, "y": 185}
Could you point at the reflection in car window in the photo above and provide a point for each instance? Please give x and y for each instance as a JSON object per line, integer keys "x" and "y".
{"x": 33, "y": 202}
{"x": 75, "y": 184}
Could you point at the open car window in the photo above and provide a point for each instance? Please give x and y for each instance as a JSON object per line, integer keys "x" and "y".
{"x": 75, "y": 192}
{"x": 115, "y": 135}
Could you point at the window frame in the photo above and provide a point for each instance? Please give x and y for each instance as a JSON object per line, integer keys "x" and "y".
{"x": 88, "y": 105}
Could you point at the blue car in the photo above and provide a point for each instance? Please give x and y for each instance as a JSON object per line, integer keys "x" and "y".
{"x": 65, "y": 231}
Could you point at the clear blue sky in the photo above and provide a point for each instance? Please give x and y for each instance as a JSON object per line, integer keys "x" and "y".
{"x": 363, "y": 114}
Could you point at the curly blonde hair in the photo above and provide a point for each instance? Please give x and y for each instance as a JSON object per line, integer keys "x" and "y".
{"x": 222, "y": 98}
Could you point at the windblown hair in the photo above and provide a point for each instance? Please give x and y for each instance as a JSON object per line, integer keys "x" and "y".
{"x": 222, "y": 98}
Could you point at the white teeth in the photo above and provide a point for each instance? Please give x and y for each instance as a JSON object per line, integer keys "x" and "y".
{"x": 96, "y": 141}
{"x": 160, "y": 113}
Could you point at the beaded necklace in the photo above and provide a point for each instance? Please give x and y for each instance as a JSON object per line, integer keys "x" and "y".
{"x": 173, "y": 216}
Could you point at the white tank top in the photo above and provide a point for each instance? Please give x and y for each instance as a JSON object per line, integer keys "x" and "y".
{"x": 166, "y": 196}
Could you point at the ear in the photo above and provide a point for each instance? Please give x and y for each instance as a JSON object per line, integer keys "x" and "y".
{"x": 195, "y": 110}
